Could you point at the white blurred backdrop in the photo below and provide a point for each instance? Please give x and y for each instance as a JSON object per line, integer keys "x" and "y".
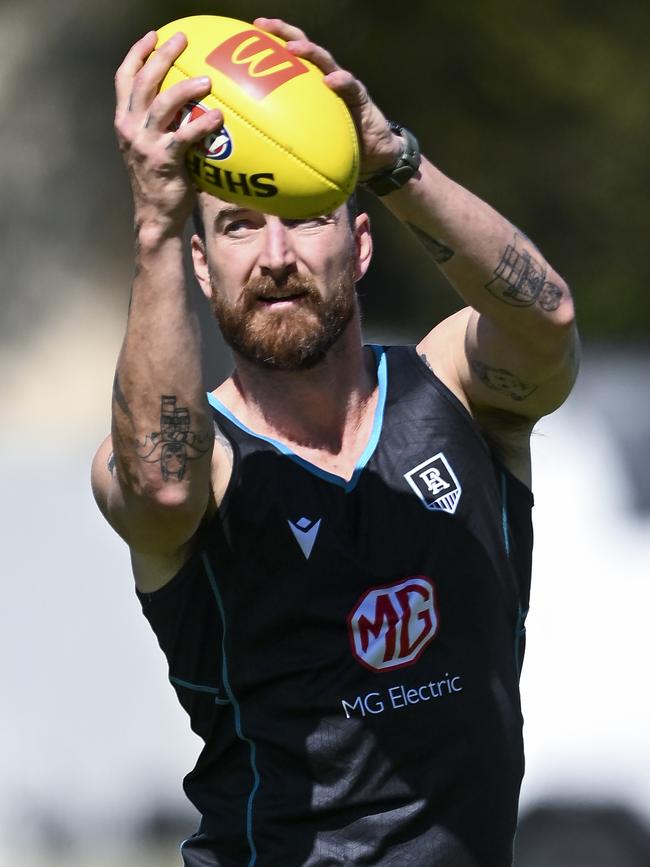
{"x": 93, "y": 742}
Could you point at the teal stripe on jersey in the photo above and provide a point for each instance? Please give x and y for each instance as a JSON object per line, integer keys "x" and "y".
{"x": 382, "y": 383}
{"x": 237, "y": 710}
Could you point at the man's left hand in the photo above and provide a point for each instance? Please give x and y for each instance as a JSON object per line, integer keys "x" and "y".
{"x": 380, "y": 148}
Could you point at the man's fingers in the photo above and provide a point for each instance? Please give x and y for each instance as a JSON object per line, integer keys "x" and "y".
{"x": 147, "y": 80}
{"x": 193, "y": 131}
{"x": 350, "y": 89}
{"x": 280, "y": 28}
{"x": 165, "y": 108}
{"x": 310, "y": 51}
{"x": 129, "y": 68}
{"x": 298, "y": 43}
{"x": 167, "y": 104}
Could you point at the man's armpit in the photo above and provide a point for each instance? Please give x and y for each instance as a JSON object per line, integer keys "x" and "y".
{"x": 502, "y": 381}
{"x": 223, "y": 462}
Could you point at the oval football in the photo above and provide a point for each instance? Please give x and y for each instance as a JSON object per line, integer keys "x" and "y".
{"x": 289, "y": 146}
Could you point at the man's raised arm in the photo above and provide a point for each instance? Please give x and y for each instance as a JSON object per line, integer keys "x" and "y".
{"x": 513, "y": 348}
{"x": 151, "y": 478}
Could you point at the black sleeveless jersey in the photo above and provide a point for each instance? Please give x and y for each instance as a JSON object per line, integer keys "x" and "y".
{"x": 349, "y": 651}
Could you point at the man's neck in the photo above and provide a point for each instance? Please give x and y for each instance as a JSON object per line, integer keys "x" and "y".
{"x": 327, "y": 409}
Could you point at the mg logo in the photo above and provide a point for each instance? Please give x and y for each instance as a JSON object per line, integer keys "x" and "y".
{"x": 391, "y": 626}
{"x": 256, "y": 63}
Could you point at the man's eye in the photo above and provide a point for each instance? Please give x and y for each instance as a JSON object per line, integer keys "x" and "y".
{"x": 238, "y": 225}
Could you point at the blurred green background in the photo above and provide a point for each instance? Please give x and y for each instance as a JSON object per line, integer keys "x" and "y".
{"x": 540, "y": 108}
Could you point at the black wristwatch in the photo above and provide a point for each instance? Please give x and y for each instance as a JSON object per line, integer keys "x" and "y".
{"x": 394, "y": 177}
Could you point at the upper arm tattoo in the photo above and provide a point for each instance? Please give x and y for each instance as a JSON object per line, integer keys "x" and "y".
{"x": 498, "y": 379}
{"x": 520, "y": 280}
{"x": 440, "y": 252}
{"x": 503, "y": 381}
{"x": 175, "y": 443}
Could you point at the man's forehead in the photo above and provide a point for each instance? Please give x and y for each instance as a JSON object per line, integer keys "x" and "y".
{"x": 213, "y": 208}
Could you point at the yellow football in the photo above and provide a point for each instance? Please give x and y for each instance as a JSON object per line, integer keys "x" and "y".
{"x": 288, "y": 145}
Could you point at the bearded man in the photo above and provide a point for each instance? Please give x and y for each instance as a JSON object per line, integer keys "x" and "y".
{"x": 333, "y": 547}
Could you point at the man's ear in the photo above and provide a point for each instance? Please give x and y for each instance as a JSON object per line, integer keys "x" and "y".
{"x": 200, "y": 263}
{"x": 363, "y": 243}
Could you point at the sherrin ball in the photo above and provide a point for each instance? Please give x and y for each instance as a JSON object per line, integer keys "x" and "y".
{"x": 288, "y": 145}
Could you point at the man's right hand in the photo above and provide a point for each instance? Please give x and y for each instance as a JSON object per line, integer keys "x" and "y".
{"x": 153, "y": 478}
{"x": 155, "y": 156}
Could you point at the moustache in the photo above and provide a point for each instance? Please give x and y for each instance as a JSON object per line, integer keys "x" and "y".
{"x": 267, "y": 288}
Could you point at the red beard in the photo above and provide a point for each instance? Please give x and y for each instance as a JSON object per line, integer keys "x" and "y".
{"x": 292, "y": 338}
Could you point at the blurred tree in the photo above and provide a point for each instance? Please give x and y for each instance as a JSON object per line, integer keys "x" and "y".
{"x": 538, "y": 108}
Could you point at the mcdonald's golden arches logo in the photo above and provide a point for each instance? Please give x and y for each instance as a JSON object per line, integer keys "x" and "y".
{"x": 256, "y": 63}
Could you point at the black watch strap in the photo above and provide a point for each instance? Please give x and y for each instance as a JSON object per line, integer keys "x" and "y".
{"x": 394, "y": 177}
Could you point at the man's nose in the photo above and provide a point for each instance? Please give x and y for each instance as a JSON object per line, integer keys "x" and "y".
{"x": 277, "y": 255}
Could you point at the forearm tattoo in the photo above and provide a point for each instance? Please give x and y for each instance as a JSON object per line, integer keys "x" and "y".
{"x": 503, "y": 381}
{"x": 119, "y": 398}
{"x": 520, "y": 280}
{"x": 440, "y": 252}
{"x": 137, "y": 249}
{"x": 175, "y": 444}
{"x": 110, "y": 464}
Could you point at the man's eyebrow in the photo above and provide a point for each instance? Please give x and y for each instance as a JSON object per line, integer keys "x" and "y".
{"x": 332, "y": 216}
{"x": 226, "y": 213}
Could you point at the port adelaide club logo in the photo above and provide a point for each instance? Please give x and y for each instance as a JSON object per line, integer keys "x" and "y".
{"x": 390, "y": 626}
{"x": 436, "y": 484}
{"x": 215, "y": 146}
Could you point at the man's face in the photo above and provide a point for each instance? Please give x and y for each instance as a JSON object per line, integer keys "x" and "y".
{"x": 283, "y": 291}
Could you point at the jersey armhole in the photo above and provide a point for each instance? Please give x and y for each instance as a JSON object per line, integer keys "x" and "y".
{"x": 222, "y": 507}
{"x": 444, "y": 391}
{"x": 458, "y": 405}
